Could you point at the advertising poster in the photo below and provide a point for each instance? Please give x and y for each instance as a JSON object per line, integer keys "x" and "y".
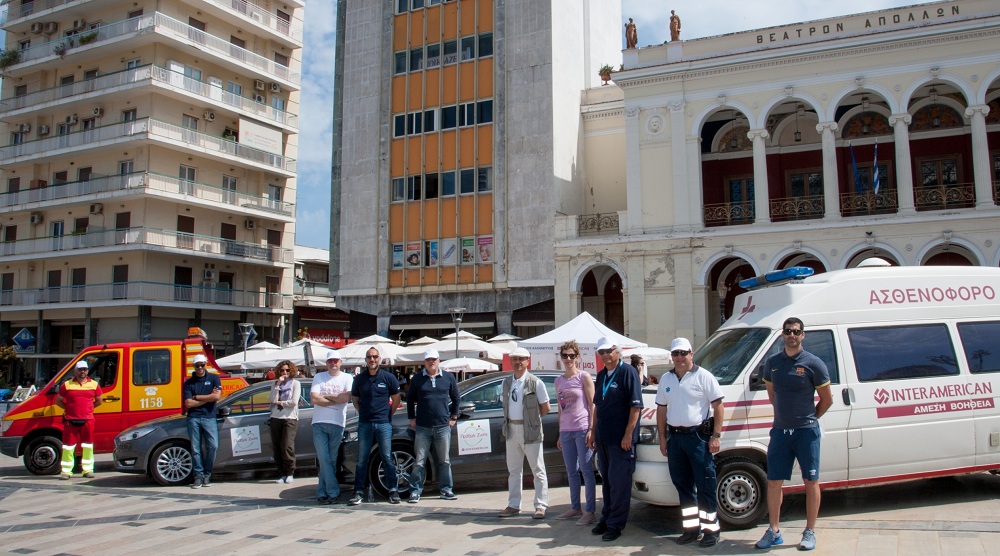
{"x": 413, "y": 254}
{"x": 468, "y": 250}
{"x": 432, "y": 253}
{"x": 484, "y": 246}
{"x": 397, "y": 255}
{"x": 474, "y": 437}
{"x": 449, "y": 252}
{"x": 246, "y": 440}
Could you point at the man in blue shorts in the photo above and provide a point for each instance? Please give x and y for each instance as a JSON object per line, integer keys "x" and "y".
{"x": 793, "y": 378}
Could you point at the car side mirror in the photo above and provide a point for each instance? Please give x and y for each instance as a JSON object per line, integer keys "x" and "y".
{"x": 757, "y": 379}
{"x": 466, "y": 409}
{"x": 224, "y": 411}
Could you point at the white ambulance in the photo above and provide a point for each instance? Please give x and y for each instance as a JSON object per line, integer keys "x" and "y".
{"x": 914, "y": 361}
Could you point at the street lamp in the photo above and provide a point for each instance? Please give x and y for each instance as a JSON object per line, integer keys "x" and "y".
{"x": 456, "y": 317}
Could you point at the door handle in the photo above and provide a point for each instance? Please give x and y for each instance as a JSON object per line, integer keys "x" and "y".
{"x": 111, "y": 398}
{"x": 846, "y": 395}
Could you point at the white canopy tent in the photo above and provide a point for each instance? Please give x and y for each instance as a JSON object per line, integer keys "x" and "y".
{"x": 467, "y": 347}
{"x": 651, "y": 355}
{"x": 465, "y": 366}
{"x": 353, "y": 355}
{"x": 422, "y": 341}
{"x": 258, "y": 350}
{"x": 295, "y": 352}
{"x": 461, "y": 334}
{"x": 586, "y": 330}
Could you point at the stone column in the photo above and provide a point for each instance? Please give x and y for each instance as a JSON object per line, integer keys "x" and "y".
{"x": 981, "y": 157}
{"x": 696, "y": 199}
{"x": 633, "y": 174}
{"x": 831, "y": 177}
{"x": 680, "y": 173}
{"x": 904, "y": 167}
{"x": 505, "y": 322}
{"x": 762, "y": 203}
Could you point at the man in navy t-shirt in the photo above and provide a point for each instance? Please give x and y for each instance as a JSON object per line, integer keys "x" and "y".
{"x": 201, "y": 391}
{"x": 375, "y": 395}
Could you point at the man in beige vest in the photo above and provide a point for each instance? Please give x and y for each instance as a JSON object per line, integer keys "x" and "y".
{"x": 525, "y": 402}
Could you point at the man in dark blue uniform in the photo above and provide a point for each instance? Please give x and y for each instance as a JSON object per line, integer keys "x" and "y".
{"x": 618, "y": 400}
{"x": 375, "y": 394}
{"x": 200, "y": 393}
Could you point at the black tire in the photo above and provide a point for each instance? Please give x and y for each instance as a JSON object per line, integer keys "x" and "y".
{"x": 171, "y": 464}
{"x": 742, "y": 493}
{"x": 403, "y": 455}
{"x": 42, "y": 455}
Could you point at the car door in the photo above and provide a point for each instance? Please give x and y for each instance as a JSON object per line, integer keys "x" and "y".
{"x": 305, "y": 453}
{"x": 244, "y": 434}
{"x": 550, "y": 428}
{"x": 477, "y": 444}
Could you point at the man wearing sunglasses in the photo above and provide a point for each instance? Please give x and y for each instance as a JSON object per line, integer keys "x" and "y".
{"x": 201, "y": 391}
{"x": 689, "y": 415}
{"x": 793, "y": 377}
{"x": 375, "y": 394}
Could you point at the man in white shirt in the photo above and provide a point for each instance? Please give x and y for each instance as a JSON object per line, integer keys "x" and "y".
{"x": 330, "y": 393}
{"x": 525, "y": 402}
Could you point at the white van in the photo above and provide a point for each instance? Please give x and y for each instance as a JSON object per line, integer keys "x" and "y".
{"x": 914, "y": 361}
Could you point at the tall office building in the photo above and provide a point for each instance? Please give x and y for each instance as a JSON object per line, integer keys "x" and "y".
{"x": 148, "y": 176}
{"x": 456, "y": 140}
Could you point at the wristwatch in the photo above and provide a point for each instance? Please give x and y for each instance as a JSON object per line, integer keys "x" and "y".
{"x": 716, "y": 435}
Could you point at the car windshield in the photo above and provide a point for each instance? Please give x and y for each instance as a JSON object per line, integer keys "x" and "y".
{"x": 728, "y": 352}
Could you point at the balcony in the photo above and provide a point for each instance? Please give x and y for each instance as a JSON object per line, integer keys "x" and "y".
{"x": 317, "y": 289}
{"x": 60, "y": 46}
{"x": 146, "y": 129}
{"x": 869, "y": 204}
{"x": 944, "y": 197}
{"x": 144, "y": 293}
{"x": 140, "y": 77}
{"x": 260, "y": 16}
{"x": 728, "y": 214}
{"x": 17, "y": 10}
{"x": 597, "y": 224}
{"x": 796, "y": 208}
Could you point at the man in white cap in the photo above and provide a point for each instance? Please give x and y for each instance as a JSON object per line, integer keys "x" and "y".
{"x": 432, "y": 406}
{"x": 617, "y": 402}
{"x": 689, "y": 414}
{"x": 78, "y": 397}
{"x": 525, "y": 402}
{"x": 201, "y": 390}
{"x": 330, "y": 394}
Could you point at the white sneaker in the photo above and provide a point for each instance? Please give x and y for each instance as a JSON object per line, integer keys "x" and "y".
{"x": 288, "y": 480}
{"x": 280, "y": 480}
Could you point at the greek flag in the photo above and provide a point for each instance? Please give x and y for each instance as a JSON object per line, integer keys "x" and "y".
{"x": 875, "y": 178}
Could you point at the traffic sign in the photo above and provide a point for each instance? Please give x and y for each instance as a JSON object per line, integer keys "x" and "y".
{"x": 24, "y": 338}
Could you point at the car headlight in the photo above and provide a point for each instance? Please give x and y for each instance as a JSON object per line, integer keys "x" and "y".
{"x": 133, "y": 434}
{"x": 647, "y": 435}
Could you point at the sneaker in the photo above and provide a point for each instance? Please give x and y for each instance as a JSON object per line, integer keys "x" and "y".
{"x": 288, "y": 480}
{"x": 281, "y": 480}
{"x": 571, "y": 513}
{"x": 586, "y": 519}
{"x": 324, "y": 501}
{"x": 808, "y": 540}
{"x": 196, "y": 483}
{"x": 769, "y": 539}
{"x": 710, "y": 539}
{"x": 355, "y": 500}
{"x": 89, "y": 475}
{"x": 539, "y": 513}
{"x": 393, "y": 497}
{"x": 414, "y": 498}
{"x": 508, "y": 512}
{"x": 448, "y": 495}
{"x": 65, "y": 476}
{"x": 205, "y": 482}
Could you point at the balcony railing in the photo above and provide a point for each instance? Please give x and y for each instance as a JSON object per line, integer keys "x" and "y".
{"x": 140, "y": 292}
{"x": 292, "y": 30}
{"x": 154, "y": 129}
{"x": 597, "y": 224}
{"x": 147, "y": 236}
{"x": 796, "y": 208}
{"x": 321, "y": 289}
{"x": 17, "y": 10}
{"x": 940, "y": 197}
{"x": 729, "y": 214}
{"x": 139, "y": 182}
{"x": 869, "y": 203}
{"x": 156, "y": 74}
{"x": 60, "y": 46}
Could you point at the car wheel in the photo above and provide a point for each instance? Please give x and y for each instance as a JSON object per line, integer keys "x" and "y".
{"x": 742, "y": 493}
{"x": 42, "y": 455}
{"x": 403, "y": 456}
{"x": 171, "y": 464}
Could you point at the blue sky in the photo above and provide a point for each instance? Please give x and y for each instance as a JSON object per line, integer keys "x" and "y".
{"x": 698, "y": 19}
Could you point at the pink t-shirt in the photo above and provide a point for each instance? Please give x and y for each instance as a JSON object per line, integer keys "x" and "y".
{"x": 574, "y": 407}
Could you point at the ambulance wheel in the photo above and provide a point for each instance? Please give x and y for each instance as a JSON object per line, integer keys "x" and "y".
{"x": 171, "y": 464}
{"x": 43, "y": 455}
{"x": 742, "y": 493}
{"x": 403, "y": 454}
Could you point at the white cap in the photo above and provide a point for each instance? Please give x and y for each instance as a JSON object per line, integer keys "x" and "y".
{"x": 605, "y": 343}
{"x": 432, "y": 354}
{"x": 520, "y": 352}
{"x": 81, "y": 364}
{"x": 200, "y": 359}
{"x": 332, "y": 354}
{"x": 680, "y": 343}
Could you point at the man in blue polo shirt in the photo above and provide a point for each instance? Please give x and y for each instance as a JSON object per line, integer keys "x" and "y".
{"x": 617, "y": 402}
{"x": 375, "y": 395}
{"x": 432, "y": 406}
{"x": 201, "y": 391}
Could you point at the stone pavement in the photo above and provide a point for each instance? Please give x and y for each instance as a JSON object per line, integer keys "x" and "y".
{"x": 125, "y": 514}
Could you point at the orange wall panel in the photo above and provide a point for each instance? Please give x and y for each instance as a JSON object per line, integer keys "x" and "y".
{"x": 397, "y": 158}
{"x": 449, "y": 85}
{"x": 413, "y": 277}
{"x": 484, "y": 221}
{"x": 467, "y": 216}
{"x": 467, "y": 274}
{"x": 433, "y": 95}
{"x": 484, "y": 273}
{"x": 485, "y": 69}
{"x": 450, "y": 29}
{"x": 448, "y": 274}
{"x": 416, "y": 28}
{"x": 416, "y": 100}
{"x": 395, "y": 278}
{"x": 431, "y": 152}
{"x": 467, "y": 147}
{"x": 467, "y": 86}
{"x": 396, "y": 222}
{"x": 431, "y": 219}
{"x": 448, "y": 226}
{"x": 485, "y": 15}
{"x": 399, "y": 94}
{"x": 468, "y": 14}
{"x": 413, "y": 223}
{"x": 399, "y": 36}
{"x": 415, "y": 157}
{"x": 485, "y": 133}
{"x": 433, "y": 15}
{"x": 448, "y": 139}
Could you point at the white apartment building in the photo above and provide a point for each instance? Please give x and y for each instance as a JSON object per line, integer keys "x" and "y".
{"x": 147, "y": 171}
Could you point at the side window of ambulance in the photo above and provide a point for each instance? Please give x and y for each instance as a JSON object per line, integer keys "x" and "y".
{"x": 981, "y": 341}
{"x": 150, "y": 367}
{"x": 819, "y": 343}
{"x": 898, "y": 352}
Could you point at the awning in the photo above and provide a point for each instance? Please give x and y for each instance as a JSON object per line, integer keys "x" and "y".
{"x": 434, "y": 322}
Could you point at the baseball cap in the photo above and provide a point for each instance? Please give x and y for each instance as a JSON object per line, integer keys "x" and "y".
{"x": 605, "y": 343}
{"x": 332, "y": 354}
{"x": 81, "y": 364}
{"x": 520, "y": 352}
{"x": 432, "y": 354}
{"x": 680, "y": 343}
{"x": 200, "y": 359}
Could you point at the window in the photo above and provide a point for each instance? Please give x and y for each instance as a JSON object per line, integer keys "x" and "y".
{"x": 278, "y": 103}
{"x": 416, "y": 59}
{"x": 468, "y": 48}
{"x": 134, "y": 13}
{"x": 399, "y": 65}
{"x": 417, "y": 4}
{"x": 7, "y": 288}
{"x": 819, "y": 343}
{"x": 125, "y": 167}
{"x": 129, "y": 115}
{"x": 13, "y": 185}
{"x": 229, "y": 189}
{"x": 83, "y": 174}
{"x": 192, "y": 73}
{"x": 431, "y": 187}
{"x": 929, "y": 352}
{"x": 466, "y": 114}
{"x": 450, "y": 52}
{"x": 805, "y": 183}
{"x": 60, "y": 177}
{"x": 449, "y": 117}
{"x": 485, "y": 45}
{"x": 433, "y": 55}
{"x": 399, "y": 125}
{"x": 151, "y": 367}
{"x": 980, "y": 341}
{"x": 430, "y": 120}
{"x": 486, "y": 398}
{"x": 238, "y": 42}
{"x": 414, "y": 124}
{"x": 234, "y": 88}
{"x": 740, "y": 197}
{"x": 189, "y": 122}
{"x": 484, "y": 180}
{"x": 89, "y": 123}
{"x": 467, "y": 181}
{"x": 484, "y": 111}
{"x": 934, "y": 173}
{"x": 133, "y": 63}
{"x": 24, "y": 45}
{"x": 274, "y": 195}
{"x": 447, "y": 184}
{"x": 103, "y": 369}
{"x": 413, "y": 188}
{"x": 186, "y": 176}
{"x": 18, "y": 137}
{"x": 402, "y": 6}
{"x": 21, "y": 90}
{"x": 397, "y": 189}
{"x": 250, "y": 403}
{"x": 280, "y": 59}
{"x": 90, "y": 74}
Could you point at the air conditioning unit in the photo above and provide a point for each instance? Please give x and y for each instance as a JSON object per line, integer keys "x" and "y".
{"x": 250, "y": 224}
{"x": 24, "y": 128}
{"x": 51, "y": 27}
{"x": 96, "y": 208}
{"x": 43, "y": 129}
{"x": 275, "y": 88}
{"x": 36, "y": 27}
{"x": 210, "y": 116}
{"x": 258, "y": 84}
{"x": 210, "y": 275}
{"x": 259, "y": 98}
{"x": 79, "y": 24}
{"x": 98, "y": 111}
{"x": 71, "y": 119}
{"x": 36, "y": 218}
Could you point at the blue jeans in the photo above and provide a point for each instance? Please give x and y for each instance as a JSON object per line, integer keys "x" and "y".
{"x": 326, "y": 439}
{"x": 579, "y": 459}
{"x": 382, "y": 434}
{"x": 204, "y": 435}
{"x": 440, "y": 439}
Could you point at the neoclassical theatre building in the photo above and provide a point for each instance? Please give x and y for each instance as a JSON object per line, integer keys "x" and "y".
{"x": 816, "y": 144}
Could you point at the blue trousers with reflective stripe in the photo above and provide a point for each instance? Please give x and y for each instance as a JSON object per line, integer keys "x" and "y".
{"x": 692, "y": 470}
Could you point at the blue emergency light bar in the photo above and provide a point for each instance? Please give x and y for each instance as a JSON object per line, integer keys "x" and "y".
{"x": 775, "y": 276}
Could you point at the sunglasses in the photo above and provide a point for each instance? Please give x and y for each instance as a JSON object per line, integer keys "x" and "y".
{"x": 791, "y": 332}
{"x": 605, "y": 351}
{"x": 199, "y": 365}
{"x": 285, "y": 370}
{"x": 568, "y": 355}
{"x": 371, "y": 357}
{"x": 680, "y": 353}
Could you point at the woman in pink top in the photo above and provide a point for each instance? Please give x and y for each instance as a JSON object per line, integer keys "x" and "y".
{"x": 575, "y": 391}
